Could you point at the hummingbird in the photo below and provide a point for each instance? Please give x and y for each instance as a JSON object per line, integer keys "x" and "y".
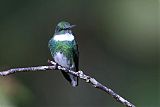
{"x": 64, "y": 50}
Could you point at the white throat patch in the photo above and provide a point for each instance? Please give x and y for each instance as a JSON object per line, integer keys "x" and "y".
{"x": 64, "y": 37}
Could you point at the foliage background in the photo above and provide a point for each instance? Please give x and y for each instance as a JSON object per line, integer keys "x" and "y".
{"x": 118, "y": 44}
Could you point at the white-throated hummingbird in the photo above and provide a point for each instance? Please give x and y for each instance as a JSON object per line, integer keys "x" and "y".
{"x": 64, "y": 50}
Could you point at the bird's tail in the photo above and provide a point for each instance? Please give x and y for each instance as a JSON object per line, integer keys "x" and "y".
{"x": 71, "y": 78}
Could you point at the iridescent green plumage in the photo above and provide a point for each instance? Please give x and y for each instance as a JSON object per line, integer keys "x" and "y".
{"x": 64, "y": 50}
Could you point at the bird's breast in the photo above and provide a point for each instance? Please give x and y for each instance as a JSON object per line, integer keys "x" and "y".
{"x": 62, "y": 60}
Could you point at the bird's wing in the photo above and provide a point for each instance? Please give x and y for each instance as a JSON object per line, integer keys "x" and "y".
{"x": 51, "y": 45}
{"x": 76, "y": 55}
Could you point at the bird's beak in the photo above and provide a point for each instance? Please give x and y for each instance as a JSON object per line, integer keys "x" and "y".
{"x": 72, "y": 26}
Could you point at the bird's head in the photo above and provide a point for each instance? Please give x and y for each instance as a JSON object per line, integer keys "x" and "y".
{"x": 63, "y": 27}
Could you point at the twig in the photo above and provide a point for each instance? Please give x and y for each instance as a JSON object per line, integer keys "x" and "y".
{"x": 79, "y": 74}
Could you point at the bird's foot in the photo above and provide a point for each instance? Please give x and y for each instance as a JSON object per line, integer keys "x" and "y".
{"x": 53, "y": 63}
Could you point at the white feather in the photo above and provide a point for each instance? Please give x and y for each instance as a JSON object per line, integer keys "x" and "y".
{"x": 64, "y": 37}
{"x": 63, "y": 61}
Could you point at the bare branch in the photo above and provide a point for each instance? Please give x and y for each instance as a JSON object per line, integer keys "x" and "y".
{"x": 79, "y": 74}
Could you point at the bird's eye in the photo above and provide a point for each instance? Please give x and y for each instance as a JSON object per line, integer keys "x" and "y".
{"x": 60, "y": 29}
{"x": 67, "y": 28}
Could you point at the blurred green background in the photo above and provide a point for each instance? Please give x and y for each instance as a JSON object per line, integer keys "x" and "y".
{"x": 118, "y": 44}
